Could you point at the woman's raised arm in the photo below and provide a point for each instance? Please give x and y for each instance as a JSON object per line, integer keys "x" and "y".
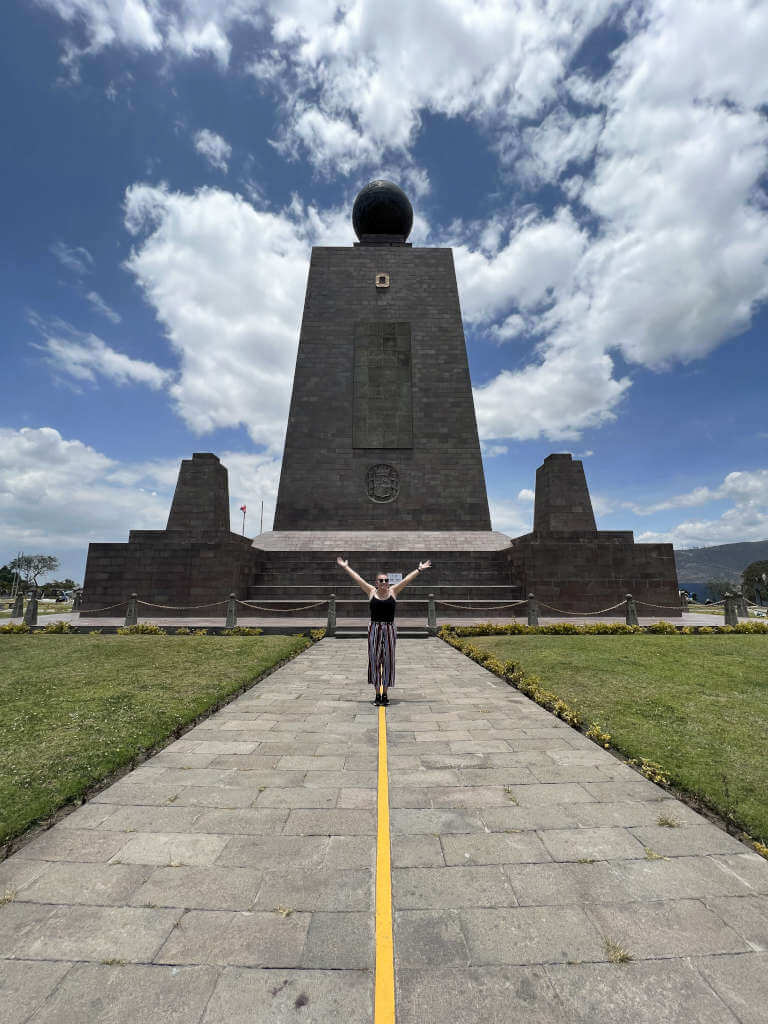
{"x": 411, "y": 576}
{"x": 367, "y": 587}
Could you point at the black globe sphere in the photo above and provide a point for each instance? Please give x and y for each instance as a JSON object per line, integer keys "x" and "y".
{"x": 382, "y": 208}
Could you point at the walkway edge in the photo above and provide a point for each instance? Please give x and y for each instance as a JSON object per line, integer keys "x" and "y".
{"x": 384, "y": 992}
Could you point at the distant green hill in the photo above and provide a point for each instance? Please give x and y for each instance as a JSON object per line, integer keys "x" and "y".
{"x": 724, "y": 561}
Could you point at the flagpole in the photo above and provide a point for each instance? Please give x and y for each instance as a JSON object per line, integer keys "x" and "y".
{"x": 243, "y": 522}
{"x": 261, "y": 523}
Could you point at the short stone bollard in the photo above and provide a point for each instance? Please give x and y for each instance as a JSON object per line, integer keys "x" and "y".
{"x": 231, "y": 612}
{"x": 132, "y": 611}
{"x": 684, "y": 601}
{"x": 741, "y": 606}
{"x": 533, "y": 611}
{"x": 729, "y": 608}
{"x": 77, "y": 600}
{"x": 330, "y": 629}
{"x": 30, "y": 612}
{"x": 431, "y": 614}
{"x": 18, "y": 606}
{"x": 631, "y": 611}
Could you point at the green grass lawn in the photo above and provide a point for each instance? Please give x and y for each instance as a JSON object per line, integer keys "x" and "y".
{"x": 42, "y": 609}
{"x": 75, "y": 708}
{"x": 696, "y": 705}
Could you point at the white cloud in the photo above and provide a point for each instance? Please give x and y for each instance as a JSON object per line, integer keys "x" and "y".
{"x": 526, "y": 495}
{"x": 85, "y": 356}
{"x": 560, "y": 139}
{"x": 227, "y": 283}
{"x": 57, "y": 495}
{"x": 511, "y": 517}
{"x": 214, "y": 148}
{"x": 75, "y": 258}
{"x": 102, "y": 307}
{"x": 745, "y": 519}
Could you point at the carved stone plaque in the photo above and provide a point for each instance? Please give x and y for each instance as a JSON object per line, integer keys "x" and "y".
{"x": 382, "y": 482}
{"x": 382, "y": 406}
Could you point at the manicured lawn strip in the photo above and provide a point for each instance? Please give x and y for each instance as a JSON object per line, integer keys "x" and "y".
{"x": 75, "y": 709}
{"x": 698, "y": 706}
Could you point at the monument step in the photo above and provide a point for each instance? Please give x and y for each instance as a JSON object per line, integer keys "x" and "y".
{"x": 361, "y": 633}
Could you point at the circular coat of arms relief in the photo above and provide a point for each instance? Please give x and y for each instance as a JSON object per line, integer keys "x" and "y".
{"x": 382, "y": 482}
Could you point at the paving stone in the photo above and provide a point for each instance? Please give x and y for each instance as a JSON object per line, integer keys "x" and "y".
{"x": 282, "y": 997}
{"x": 564, "y": 884}
{"x": 429, "y": 938}
{"x": 686, "y": 840}
{"x": 636, "y": 812}
{"x": 250, "y": 938}
{"x": 437, "y": 822}
{"x": 747, "y": 867}
{"x": 650, "y": 992}
{"x": 172, "y": 848}
{"x": 677, "y": 878}
{"x": 450, "y": 888}
{"x": 90, "y": 815}
{"x": 130, "y": 993}
{"x": 341, "y": 780}
{"x": 416, "y": 851}
{"x": 208, "y": 888}
{"x": 747, "y": 915}
{"x": 409, "y": 796}
{"x": 96, "y": 884}
{"x": 530, "y": 935}
{"x": 151, "y": 819}
{"x": 24, "y": 986}
{"x": 300, "y": 796}
{"x": 428, "y": 777}
{"x": 480, "y": 995}
{"x": 198, "y": 777}
{"x": 496, "y": 776}
{"x": 244, "y": 821}
{"x": 72, "y": 844}
{"x": 340, "y": 941}
{"x": 615, "y": 792}
{"x": 494, "y": 848}
{"x": 246, "y": 762}
{"x": 311, "y": 764}
{"x": 98, "y": 933}
{"x": 740, "y": 981}
{"x": 263, "y": 852}
{"x": 349, "y": 852}
{"x": 469, "y": 796}
{"x": 357, "y": 798}
{"x": 553, "y": 793}
{"x": 19, "y": 921}
{"x": 127, "y": 791}
{"x": 502, "y": 819}
{"x": 228, "y": 797}
{"x": 169, "y": 759}
{"x": 321, "y": 889}
{"x": 592, "y": 843}
{"x": 665, "y": 929}
{"x": 326, "y": 823}
{"x": 16, "y": 872}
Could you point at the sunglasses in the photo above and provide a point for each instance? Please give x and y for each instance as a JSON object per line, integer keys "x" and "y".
{"x": 382, "y": 579}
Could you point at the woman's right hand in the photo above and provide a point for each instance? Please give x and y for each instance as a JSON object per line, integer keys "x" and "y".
{"x": 342, "y": 562}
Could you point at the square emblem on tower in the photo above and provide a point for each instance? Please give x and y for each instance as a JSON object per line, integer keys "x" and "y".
{"x": 382, "y": 280}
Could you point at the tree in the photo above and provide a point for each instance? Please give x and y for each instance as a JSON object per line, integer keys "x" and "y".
{"x": 754, "y": 581}
{"x": 29, "y": 567}
{"x": 7, "y": 576}
{"x": 58, "y": 586}
{"x": 718, "y": 588}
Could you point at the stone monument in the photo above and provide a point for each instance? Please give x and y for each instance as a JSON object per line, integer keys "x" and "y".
{"x": 382, "y": 464}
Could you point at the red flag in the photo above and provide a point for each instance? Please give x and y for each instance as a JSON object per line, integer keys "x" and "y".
{"x": 242, "y": 508}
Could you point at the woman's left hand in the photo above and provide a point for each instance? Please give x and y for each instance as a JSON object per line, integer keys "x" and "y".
{"x": 424, "y": 565}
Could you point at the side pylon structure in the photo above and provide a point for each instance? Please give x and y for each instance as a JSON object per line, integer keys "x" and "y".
{"x": 382, "y": 465}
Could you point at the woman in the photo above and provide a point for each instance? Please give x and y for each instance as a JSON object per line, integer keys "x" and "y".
{"x": 382, "y": 634}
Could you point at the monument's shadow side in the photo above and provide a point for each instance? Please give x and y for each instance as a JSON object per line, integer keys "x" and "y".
{"x": 382, "y": 465}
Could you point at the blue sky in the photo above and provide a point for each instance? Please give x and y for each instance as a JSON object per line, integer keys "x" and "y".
{"x": 599, "y": 169}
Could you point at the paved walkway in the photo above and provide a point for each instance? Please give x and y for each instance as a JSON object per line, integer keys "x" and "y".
{"x": 230, "y": 879}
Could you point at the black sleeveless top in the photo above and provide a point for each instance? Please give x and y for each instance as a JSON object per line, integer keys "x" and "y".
{"x": 383, "y": 611}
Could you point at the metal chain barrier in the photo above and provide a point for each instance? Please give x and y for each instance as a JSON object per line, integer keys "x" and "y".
{"x": 602, "y": 611}
{"x": 475, "y": 608}
{"x": 666, "y": 607}
{"x": 181, "y": 607}
{"x": 94, "y": 611}
{"x": 259, "y": 608}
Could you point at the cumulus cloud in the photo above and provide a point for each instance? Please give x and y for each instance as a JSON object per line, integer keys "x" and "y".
{"x": 57, "y": 494}
{"x": 214, "y": 148}
{"x": 227, "y": 283}
{"x": 745, "y": 518}
{"x": 85, "y": 357}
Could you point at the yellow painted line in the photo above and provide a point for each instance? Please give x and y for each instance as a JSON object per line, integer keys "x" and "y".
{"x": 384, "y": 991}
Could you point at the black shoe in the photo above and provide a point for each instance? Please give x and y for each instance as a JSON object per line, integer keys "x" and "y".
{"x": 385, "y": 700}
{"x": 377, "y": 699}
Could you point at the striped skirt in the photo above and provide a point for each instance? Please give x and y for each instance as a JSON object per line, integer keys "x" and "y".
{"x": 382, "y": 637}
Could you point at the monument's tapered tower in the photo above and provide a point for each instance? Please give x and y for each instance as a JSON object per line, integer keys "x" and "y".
{"x": 382, "y": 432}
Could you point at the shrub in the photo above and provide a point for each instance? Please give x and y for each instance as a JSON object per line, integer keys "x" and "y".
{"x": 141, "y": 627}
{"x": 14, "y": 627}
{"x": 661, "y": 627}
{"x": 242, "y": 631}
{"x": 59, "y": 626}
{"x": 317, "y": 634}
{"x": 595, "y": 732}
